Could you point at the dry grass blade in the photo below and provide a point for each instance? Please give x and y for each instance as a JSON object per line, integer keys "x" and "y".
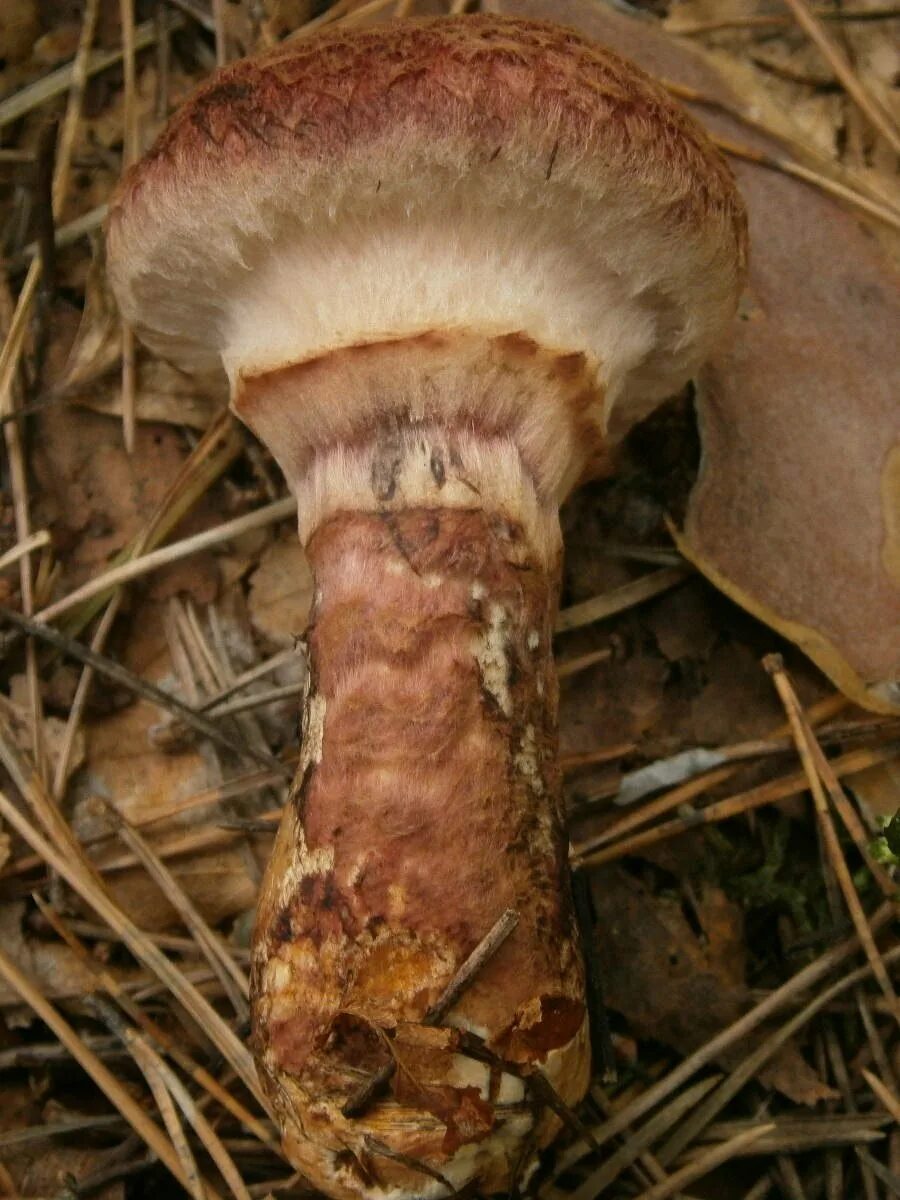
{"x": 147, "y": 1130}
{"x": 794, "y": 1135}
{"x": 889, "y": 1178}
{"x": 704, "y": 1163}
{"x": 848, "y": 815}
{"x": 884, "y": 1094}
{"x": 34, "y": 541}
{"x": 619, "y": 599}
{"x": 13, "y": 346}
{"x": 68, "y": 933}
{"x": 74, "y": 869}
{"x": 166, "y": 1088}
{"x": 734, "y": 1033}
{"x": 43, "y": 90}
{"x": 18, "y": 479}
{"x": 805, "y": 738}
{"x": 583, "y": 662}
{"x": 873, "y": 208}
{"x": 724, "y": 810}
{"x": 638, "y": 1141}
{"x": 149, "y": 1065}
{"x": 211, "y": 945}
{"x": 842, "y": 68}
{"x": 886, "y": 12}
{"x": 745, "y": 1070}
{"x": 80, "y": 699}
{"x": 139, "y": 687}
{"x": 173, "y": 552}
{"x": 214, "y": 453}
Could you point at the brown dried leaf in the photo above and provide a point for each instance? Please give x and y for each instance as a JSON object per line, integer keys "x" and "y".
{"x": 19, "y": 28}
{"x": 49, "y": 964}
{"x": 678, "y": 987}
{"x": 281, "y": 593}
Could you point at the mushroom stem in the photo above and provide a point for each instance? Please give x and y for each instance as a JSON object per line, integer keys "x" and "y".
{"x": 427, "y": 801}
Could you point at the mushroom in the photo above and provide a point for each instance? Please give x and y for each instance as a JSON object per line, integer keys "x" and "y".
{"x": 446, "y": 265}
{"x": 796, "y": 510}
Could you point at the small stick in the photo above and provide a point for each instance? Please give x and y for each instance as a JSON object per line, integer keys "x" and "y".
{"x": 619, "y": 599}
{"x": 841, "y": 66}
{"x": 483, "y": 952}
{"x": 43, "y": 187}
{"x": 35, "y": 541}
{"x": 704, "y": 1163}
{"x": 723, "y": 810}
{"x": 889, "y": 216}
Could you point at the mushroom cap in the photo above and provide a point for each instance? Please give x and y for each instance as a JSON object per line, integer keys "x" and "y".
{"x": 479, "y": 174}
{"x": 796, "y": 511}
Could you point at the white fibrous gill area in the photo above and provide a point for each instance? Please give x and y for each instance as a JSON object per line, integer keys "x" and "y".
{"x": 406, "y": 237}
{"x": 380, "y": 276}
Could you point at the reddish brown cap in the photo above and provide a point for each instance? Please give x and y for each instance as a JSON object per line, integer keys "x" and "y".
{"x": 482, "y": 174}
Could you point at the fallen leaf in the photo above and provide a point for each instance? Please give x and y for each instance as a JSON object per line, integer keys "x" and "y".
{"x": 676, "y": 985}
{"x": 281, "y": 593}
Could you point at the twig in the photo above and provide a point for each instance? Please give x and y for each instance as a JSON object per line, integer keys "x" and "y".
{"x": 887, "y": 1177}
{"x": 704, "y": 1163}
{"x": 889, "y": 216}
{"x": 842, "y": 68}
{"x": 620, "y": 599}
{"x": 147, "y": 1057}
{"x": 43, "y": 90}
{"x": 729, "y": 1088}
{"x": 376, "y": 1146}
{"x": 483, "y": 952}
{"x": 140, "y": 687}
{"x": 722, "y": 810}
{"x": 640, "y": 1140}
{"x": 34, "y": 541}
{"x": 173, "y": 552}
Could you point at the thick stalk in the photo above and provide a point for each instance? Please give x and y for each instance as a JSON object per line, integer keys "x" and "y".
{"x": 427, "y": 802}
